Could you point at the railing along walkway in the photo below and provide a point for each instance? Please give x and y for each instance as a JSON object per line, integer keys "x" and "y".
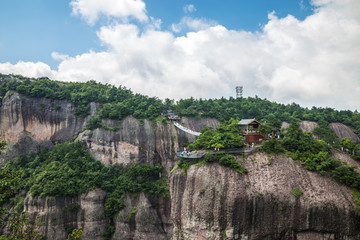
{"x": 197, "y": 155}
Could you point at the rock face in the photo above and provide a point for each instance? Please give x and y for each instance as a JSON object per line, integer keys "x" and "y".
{"x": 59, "y": 214}
{"x": 306, "y": 126}
{"x": 209, "y": 202}
{"x": 343, "y": 131}
{"x": 259, "y": 205}
{"x": 29, "y": 123}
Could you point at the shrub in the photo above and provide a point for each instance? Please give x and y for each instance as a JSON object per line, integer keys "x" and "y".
{"x": 272, "y": 146}
{"x": 73, "y": 207}
{"x": 223, "y": 159}
{"x": 93, "y": 123}
{"x": 296, "y": 192}
{"x": 132, "y": 212}
{"x": 109, "y": 231}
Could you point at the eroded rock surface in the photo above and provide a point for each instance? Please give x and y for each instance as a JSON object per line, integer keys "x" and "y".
{"x": 306, "y": 126}
{"x": 259, "y": 205}
{"x": 59, "y": 214}
{"x": 209, "y": 202}
{"x": 343, "y": 131}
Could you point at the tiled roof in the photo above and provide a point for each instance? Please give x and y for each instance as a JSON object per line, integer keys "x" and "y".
{"x": 246, "y": 121}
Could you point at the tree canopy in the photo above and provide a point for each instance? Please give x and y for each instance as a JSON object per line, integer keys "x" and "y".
{"x": 119, "y": 102}
{"x": 226, "y": 135}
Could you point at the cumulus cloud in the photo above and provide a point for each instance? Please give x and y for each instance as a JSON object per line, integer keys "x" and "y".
{"x": 192, "y": 24}
{"x": 59, "y": 57}
{"x": 29, "y": 69}
{"x": 91, "y": 10}
{"x": 189, "y": 8}
{"x": 312, "y": 62}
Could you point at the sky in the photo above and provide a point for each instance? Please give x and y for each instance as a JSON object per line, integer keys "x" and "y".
{"x": 302, "y": 51}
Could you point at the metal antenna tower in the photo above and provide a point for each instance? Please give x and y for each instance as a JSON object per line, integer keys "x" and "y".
{"x": 239, "y": 91}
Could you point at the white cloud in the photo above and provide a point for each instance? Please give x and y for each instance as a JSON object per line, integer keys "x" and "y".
{"x": 29, "y": 69}
{"x": 192, "y": 24}
{"x": 311, "y": 62}
{"x": 91, "y": 10}
{"x": 189, "y": 8}
{"x": 59, "y": 57}
{"x": 302, "y": 5}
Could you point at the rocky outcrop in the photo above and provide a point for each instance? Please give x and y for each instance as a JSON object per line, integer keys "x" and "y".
{"x": 259, "y": 205}
{"x": 343, "y": 131}
{"x": 345, "y": 157}
{"x": 57, "y": 215}
{"x": 148, "y": 142}
{"x": 30, "y": 123}
{"x": 306, "y": 126}
{"x": 142, "y": 218}
{"x": 209, "y": 202}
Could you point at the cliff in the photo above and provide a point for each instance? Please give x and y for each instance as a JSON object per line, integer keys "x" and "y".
{"x": 343, "y": 131}
{"x": 209, "y": 202}
{"x": 259, "y": 205}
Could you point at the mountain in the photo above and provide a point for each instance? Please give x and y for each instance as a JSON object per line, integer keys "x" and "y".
{"x": 209, "y": 201}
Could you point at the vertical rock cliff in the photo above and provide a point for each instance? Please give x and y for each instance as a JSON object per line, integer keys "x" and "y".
{"x": 209, "y": 202}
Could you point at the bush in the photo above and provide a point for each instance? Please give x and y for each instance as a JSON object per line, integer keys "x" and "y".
{"x": 93, "y": 123}
{"x": 223, "y": 159}
{"x": 109, "y": 231}
{"x": 226, "y": 135}
{"x": 296, "y": 192}
{"x": 272, "y": 146}
{"x": 132, "y": 212}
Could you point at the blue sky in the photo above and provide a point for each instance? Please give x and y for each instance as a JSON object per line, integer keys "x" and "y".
{"x": 303, "y": 51}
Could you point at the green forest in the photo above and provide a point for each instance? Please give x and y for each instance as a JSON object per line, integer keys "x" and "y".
{"x": 119, "y": 102}
{"x": 69, "y": 170}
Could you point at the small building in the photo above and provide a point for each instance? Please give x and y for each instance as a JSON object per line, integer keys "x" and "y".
{"x": 250, "y": 130}
{"x": 170, "y": 115}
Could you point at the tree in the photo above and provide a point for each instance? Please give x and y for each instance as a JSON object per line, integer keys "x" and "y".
{"x": 19, "y": 225}
{"x": 226, "y": 135}
{"x": 75, "y": 234}
{"x": 348, "y": 144}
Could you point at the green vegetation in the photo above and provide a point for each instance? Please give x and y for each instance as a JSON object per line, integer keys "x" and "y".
{"x": 223, "y": 159}
{"x": 296, "y": 192}
{"x": 272, "y": 145}
{"x": 75, "y": 234}
{"x": 132, "y": 212}
{"x": 69, "y": 170}
{"x": 350, "y": 147}
{"x": 19, "y": 225}
{"x": 95, "y": 122}
{"x": 109, "y": 231}
{"x": 315, "y": 154}
{"x": 226, "y": 135}
{"x": 119, "y": 102}
{"x": 356, "y": 195}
